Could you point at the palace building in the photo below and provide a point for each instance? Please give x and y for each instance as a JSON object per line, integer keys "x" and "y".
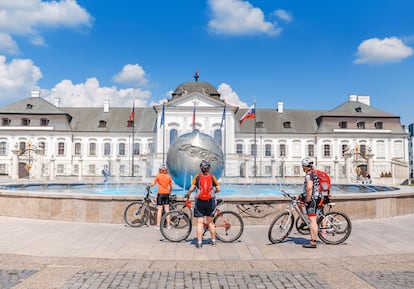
{"x": 41, "y": 140}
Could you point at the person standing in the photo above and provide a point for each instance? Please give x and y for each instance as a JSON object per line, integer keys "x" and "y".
{"x": 312, "y": 197}
{"x": 164, "y": 181}
{"x": 207, "y": 186}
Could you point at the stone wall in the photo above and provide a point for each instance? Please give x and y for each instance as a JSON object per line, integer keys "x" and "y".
{"x": 110, "y": 209}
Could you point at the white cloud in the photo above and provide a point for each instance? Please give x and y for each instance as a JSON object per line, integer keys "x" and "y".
{"x": 91, "y": 94}
{"x": 385, "y": 50}
{"x": 284, "y": 15}
{"x": 229, "y": 96}
{"x": 17, "y": 78}
{"x": 238, "y": 18}
{"x": 131, "y": 74}
{"x": 7, "y": 44}
{"x": 26, "y": 17}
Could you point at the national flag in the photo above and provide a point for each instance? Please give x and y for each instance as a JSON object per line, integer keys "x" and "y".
{"x": 223, "y": 117}
{"x": 249, "y": 114}
{"x": 162, "y": 115}
{"x": 132, "y": 115}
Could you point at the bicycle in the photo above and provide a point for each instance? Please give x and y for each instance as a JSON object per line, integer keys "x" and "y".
{"x": 137, "y": 213}
{"x": 336, "y": 231}
{"x": 229, "y": 225}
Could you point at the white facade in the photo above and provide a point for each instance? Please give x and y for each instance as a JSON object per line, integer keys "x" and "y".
{"x": 67, "y": 142}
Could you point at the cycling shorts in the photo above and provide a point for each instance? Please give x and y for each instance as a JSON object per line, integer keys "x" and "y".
{"x": 203, "y": 208}
{"x": 163, "y": 199}
{"x": 312, "y": 207}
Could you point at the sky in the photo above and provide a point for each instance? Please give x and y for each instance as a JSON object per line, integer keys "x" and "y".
{"x": 307, "y": 54}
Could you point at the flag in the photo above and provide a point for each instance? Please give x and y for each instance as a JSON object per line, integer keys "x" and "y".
{"x": 249, "y": 114}
{"x": 162, "y": 115}
{"x": 223, "y": 117}
{"x": 131, "y": 115}
{"x": 194, "y": 117}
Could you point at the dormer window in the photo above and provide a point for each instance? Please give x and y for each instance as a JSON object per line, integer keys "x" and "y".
{"x": 260, "y": 124}
{"x": 378, "y": 125}
{"x": 358, "y": 109}
{"x": 29, "y": 106}
{"x": 44, "y": 122}
{"x": 287, "y": 124}
{"x": 5, "y": 121}
{"x": 342, "y": 124}
{"x": 25, "y": 122}
{"x": 361, "y": 124}
{"x": 102, "y": 123}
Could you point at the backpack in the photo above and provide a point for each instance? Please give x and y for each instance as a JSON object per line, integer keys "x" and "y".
{"x": 324, "y": 181}
{"x": 205, "y": 186}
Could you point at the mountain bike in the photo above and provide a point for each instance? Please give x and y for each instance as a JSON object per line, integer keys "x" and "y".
{"x": 334, "y": 227}
{"x": 137, "y": 213}
{"x": 229, "y": 224}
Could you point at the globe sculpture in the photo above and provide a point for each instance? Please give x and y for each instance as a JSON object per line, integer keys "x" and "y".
{"x": 186, "y": 153}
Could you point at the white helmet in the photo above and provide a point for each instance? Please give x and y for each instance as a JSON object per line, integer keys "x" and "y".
{"x": 306, "y": 162}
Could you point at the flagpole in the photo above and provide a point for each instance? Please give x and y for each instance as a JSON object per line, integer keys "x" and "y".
{"x": 224, "y": 132}
{"x": 133, "y": 137}
{"x": 163, "y": 133}
{"x": 255, "y": 145}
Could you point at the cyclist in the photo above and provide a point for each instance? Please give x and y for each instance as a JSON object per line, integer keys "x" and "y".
{"x": 312, "y": 197}
{"x": 164, "y": 181}
{"x": 205, "y": 203}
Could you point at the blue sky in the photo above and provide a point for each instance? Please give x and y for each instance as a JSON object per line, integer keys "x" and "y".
{"x": 308, "y": 54}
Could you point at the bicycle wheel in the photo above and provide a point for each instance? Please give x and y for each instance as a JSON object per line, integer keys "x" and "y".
{"x": 136, "y": 214}
{"x": 182, "y": 207}
{"x": 337, "y": 230}
{"x": 229, "y": 226}
{"x": 179, "y": 228}
{"x": 280, "y": 227}
{"x": 301, "y": 226}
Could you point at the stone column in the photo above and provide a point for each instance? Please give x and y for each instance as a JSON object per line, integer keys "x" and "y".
{"x": 52, "y": 168}
{"x": 347, "y": 157}
{"x": 336, "y": 169}
{"x": 80, "y": 168}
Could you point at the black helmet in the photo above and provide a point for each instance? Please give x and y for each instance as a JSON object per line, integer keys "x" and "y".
{"x": 204, "y": 166}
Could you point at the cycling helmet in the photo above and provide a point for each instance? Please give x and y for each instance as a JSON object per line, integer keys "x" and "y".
{"x": 306, "y": 162}
{"x": 162, "y": 168}
{"x": 204, "y": 166}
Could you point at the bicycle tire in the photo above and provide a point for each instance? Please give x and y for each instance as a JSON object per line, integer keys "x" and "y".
{"x": 301, "y": 227}
{"x": 338, "y": 228}
{"x": 229, "y": 226}
{"x": 280, "y": 227}
{"x": 136, "y": 214}
{"x": 182, "y": 207}
{"x": 180, "y": 226}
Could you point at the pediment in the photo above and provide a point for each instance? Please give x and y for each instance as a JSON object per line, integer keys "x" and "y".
{"x": 200, "y": 99}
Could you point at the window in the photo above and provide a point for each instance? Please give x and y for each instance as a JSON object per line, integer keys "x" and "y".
{"x": 344, "y": 149}
{"x": 378, "y": 125}
{"x": 44, "y": 122}
{"x": 311, "y": 150}
{"x": 173, "y": 135}
{"x": 326, "y": 150}
{"x": 239, "y": 149}
{"x": 91, "y": 169}
{"x": 102, "y": 123}
{"x": 25, "y": 122}
{"x": 380, "y": 150}
{"x": 5, "y": 122}
{"x": 107, "y": 149}
{"x": 268, "y": 150}
{"x": 342, "y": 124}
{"x": 151, "y": 147}
{"x": 92, "y": 149}
{"x": 363, "y": 149}
{"x": 218, "y": 136}
{"x": 253, "y": 149}
{"x": 260, "y": 124}
{"x": 60, "y": 169}
{"x": 361, "y": 124}
{"x": 76, "y": 169}
{"x": 22, "y": 147}
{"x": 121, "y": 149}
{"x": 3, "y": 148}
{"x": 282, "y": 150}
{"x": 358, "y": 109}
{"x": 78, "y": 149}
{"x": 61, "y": 148}
{"x": 42, "y": 147}
{"x": 136, "y": 149}
{"x": 287, "y": 124}
{"x": 3, "y": 169}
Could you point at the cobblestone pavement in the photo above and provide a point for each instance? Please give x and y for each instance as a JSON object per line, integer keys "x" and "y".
{"x": 36, "y": 254}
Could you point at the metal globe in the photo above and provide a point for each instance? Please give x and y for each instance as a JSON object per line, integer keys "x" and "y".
{"x": 186, "y": 153}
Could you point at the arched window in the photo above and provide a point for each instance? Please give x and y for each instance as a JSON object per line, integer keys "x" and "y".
{"x": 107, "y": 149}
{"x": 282, "y": 150}
{"x": 239, "y": 149}
{"x": 92, "y": 149}
{"x": 268, "y": 150}
{"x": 3, "y": 148}
{"x": 121, "y": 149}
{"x": 173, "y": 135}
{"x": 218, "y": 136}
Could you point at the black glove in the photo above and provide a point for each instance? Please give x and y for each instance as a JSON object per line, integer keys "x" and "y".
{"x": 148, "y": 187}
{"x": 187, "y": 196}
